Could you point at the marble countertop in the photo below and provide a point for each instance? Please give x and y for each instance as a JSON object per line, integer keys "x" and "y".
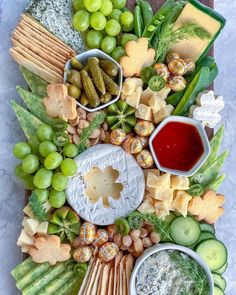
{"x": 12, "y": 192}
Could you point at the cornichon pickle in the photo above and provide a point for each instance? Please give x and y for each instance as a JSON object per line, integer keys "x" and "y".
{"x": 105, "y": 97}
{"x": 74, "y": 77}
{"x": 96, "y": 74}
{"x": 89, "y": 89}
{"x": 109, "y": 67}
{"x": 77, "y": 65}
{"x": 111, "y": 86}
{"x": 74, "y": 91}
{"x": 83, "y": 100}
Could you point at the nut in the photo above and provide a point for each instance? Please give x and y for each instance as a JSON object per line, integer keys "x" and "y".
{"x": 94, "y": 141}
{"x": 95, "y": 133}
{"x": 107, "y": 137}
{"x": 91, "y": 116}
{"x": 147, "y": 242}
{"x": 79, "y": 131}
{"x": 74, "y": 122}
{"x": 102, "y": 135}
{"x": 143, "y": 233}
{"x": 105, "y": 126}
{"x": 83, "y": 124}
{"x": 127, "y": 241}
{"x": 81, "y": 113}
{"x": 71, "y": 130}
{"x": 76, "y": 139}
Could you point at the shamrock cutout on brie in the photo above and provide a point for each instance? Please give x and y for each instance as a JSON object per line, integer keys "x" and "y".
{"x": 207, "y": 108}
{"x": 102, "y": 184}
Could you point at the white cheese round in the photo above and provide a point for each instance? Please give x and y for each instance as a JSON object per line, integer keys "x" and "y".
{"x": 130, "y": 176}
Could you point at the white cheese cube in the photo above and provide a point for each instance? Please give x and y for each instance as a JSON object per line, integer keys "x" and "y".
{"x": 30, "y": 225}
{"x": 130, "y": 85}
{"x": 144, "y": 112}
{"x": 42, "y": 229}
{"x": 134, "y": 98}
{"x": 28, "y": 211}
{"x": 25, "y": 240}
{"x": 25, "y": 249}
{"x": 179, "y": 182}
{"x": 156, "y": 103}
{"x": 47, "y": 207}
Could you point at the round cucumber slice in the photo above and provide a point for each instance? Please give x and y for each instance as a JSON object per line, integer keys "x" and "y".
{"x": 218, "y": 291}
{"x": 213, "y": 252}
{"x": 222, "y": 269}
{"x": 219, "y": 281}
{"x": 185, "y": 231}
{"x": 207, "y": 227}
{"x": 206, "y": 235}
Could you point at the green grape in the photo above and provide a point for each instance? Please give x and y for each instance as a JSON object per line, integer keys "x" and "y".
{"x": 53, "y": 160}
{"x": 108, "y": 44}
{"x": 113, "y": 27}
{"x": 94, "y": 39}
{"x": 46, "y": 147}
{"x": 129, "y": 28}
{"x": 28, "y": 182}
{"x": 68, "y": 167}
{"x": 106, "y": 8}
{"x": 118, "y": 52}
{"x": 42, "y": 195}
{"x": 19, "y": 172}
{"x": 127, "y": 18}
{"x": 116, "y": 14}
{"x": 61, "y": 139}
{"x": 34, "y": 143}
{"x": 43, "y": 178}
{"x": 119, "y": 3}
{"x": 78, "y": 5}
{"x": 98, "y": 21}
{"x": 92, "y": 5}
{"x": 59, "y": 182}
{"x": 30, "y": 164}
{"x": 21, "y": 150}
{"x": 45, "y": 132}
{"x": 70, "y": 150}
{"x": 57, "y": 199}
{"x": 81, "y": 20}
{"x": 126, "y": 38}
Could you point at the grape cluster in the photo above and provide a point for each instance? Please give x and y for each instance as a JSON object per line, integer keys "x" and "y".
{"x": 103, "y": 21}
{"x": 47, "y": 163}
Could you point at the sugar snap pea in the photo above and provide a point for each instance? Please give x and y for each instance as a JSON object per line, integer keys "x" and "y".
{"x": 138, "y": 29}
{"x": 146, "y": 10}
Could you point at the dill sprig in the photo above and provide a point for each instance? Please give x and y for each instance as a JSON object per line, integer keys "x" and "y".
{"x": 96, "y": 123}
{"x": 160, "y": 226}
{"x": 193, "y": 271}
{"x": 37, "y": 208}
{"x": 169, "y": 36}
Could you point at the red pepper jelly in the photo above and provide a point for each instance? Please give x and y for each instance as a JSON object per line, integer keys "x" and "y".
{"x": 178, "y": 146}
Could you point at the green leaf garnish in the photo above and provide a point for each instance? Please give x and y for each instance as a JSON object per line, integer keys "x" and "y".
{"x": 37, "y": 208}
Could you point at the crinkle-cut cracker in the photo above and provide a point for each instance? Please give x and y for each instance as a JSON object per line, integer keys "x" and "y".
{"x": 181, "y": 201}
{"x": 179, "y": 182}
{"x": 116, "y": 269}
{"x": 146, "y": 206}
{"x": 96, "y": 280}
{"x": 59, "y": 104}
{"x": 138, "y": 56}
{"x": 120, "y": 289}
{"x": 111, "y": 280}
{"x": 49, "y": 249}
{"x": 129, "y": 265}
{"x": 105, "y": 278}
{"x": 208, "y": 207}
{"x": 89, "y": 283}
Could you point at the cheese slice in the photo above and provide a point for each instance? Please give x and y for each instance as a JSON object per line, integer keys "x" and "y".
{"x": 25, "y": 240}
{"x": 194, "y": 47}
{"x": 30, "y": 226}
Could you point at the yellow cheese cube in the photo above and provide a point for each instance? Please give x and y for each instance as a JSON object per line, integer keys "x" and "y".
{"x": 156, "y": 103}
{"x": 146, "y": 95}
{"x": 154, "y": 171}
{"x": 30, "y": 225}
{"x": 144, "y": 112}
{"x": 162, "y": 181}
{"x": 28, "y": 211}
{"x": 25, "y": 249}
{"x": 146, "y": 207}
{"x": 42, "y": 229}
{"x": 181, "y": 201}
{"x": 134, "y": 98}
{"x": 179, "y": 182}
{"x": 130, "y": 85}
{"x": 25, "y": 240}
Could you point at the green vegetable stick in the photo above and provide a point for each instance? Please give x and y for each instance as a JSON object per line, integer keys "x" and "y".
{"x": 215, "y": 185}
{"x": 213, "y": 170}
{"x": 138, "y": 21}
{"x": 22, "y": 269}
{"x": 71, "y": 286}
{"x": 146, "y": 10}
{"x": 29, "y": 123}
{"x": 32, "y": 275}
{"x": 37, "y": 85}
{"x": 196, "y": 86}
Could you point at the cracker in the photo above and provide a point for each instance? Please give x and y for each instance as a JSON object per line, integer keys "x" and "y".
{"x": 117, "y": 262}
{"x": 105, "y": 279}
{"x": 129, "y": 265}
{"x": 91, "y": 278}
{"x": 95, "y": 283}
{"x": 87, "y": 276}
{"x": 111, "y": 281}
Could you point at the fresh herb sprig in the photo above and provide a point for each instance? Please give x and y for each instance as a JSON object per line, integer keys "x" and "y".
{"x": 169, "y": 36}
{"x": 193, "y": 271}
{"x": 96, "y": 123}
{"x": 37, "y": 208}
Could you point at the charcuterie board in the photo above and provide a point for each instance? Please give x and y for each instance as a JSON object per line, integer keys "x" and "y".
{"x": 120, "y": 163}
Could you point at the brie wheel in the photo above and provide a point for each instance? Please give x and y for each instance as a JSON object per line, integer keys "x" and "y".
{"x": 130, "y": 176}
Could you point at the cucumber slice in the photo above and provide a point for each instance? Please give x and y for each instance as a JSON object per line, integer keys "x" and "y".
{"x": 221, "y": 270}
{"x": 170, "y": 217}
{"x": 213, "y": 252}
{"x": 207, "y": 227}
{"x": 206, "y": 235}
{"x": 218, "y": 291}
{"x": 219, "y": 281}
{"x": 185, "y": 231}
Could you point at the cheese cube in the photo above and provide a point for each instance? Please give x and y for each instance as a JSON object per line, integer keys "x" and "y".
{"x": 181, "y": 201}
{"x": 42, "y": 229}
{"x": 130, "y": 85}
{"x": 162, "y": 181}
{"x": 25, "y": 249}
{"x": 28, "y": 211}
{"x": 47, "y": 207}
{"x": 30, "y": 225}
{"x": 146, "y": 95}
{"x": 163, "y": 93}
{"x": 146, "y": 207}
{"x": 134, "y": 98}
{"x": 179, "y": 182}
{"x": 25, "y": 240}
{"x": 154, "y": 171}
{"x": 144, "y": 112}
{"x": 156, "y": 103}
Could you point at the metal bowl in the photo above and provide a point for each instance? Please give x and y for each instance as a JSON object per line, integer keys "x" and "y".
{"x": 167, "y": 246}
{"x": 83, "y": 57}
{"x": 204, "y": 138}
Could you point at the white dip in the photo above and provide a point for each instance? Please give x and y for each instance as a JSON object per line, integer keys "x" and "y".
{"x": 159, "y": 275}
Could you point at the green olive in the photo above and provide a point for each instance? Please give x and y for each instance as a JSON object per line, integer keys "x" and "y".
{"x": 77, "y": 65}
{"x": 74, "y": 91}
{"x": 84, "y": 101}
